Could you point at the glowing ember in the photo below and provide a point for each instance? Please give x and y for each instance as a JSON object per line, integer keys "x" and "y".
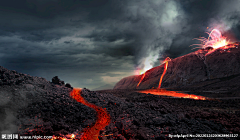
{"x": 172, "y": 93}
{"x": 72, "y": 136}
{"x": 141, "y": 80}
{"x": 103, "y": 119}
{"x": 165, "y": 69}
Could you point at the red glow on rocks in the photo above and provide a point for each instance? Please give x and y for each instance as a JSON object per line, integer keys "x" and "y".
{"x": 223, "y": 49}
{"x": 172, "y": 93}
{"x": 164, "y": 72}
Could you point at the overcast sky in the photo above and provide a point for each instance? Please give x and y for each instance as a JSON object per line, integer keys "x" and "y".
{"x": 91, "y": 43}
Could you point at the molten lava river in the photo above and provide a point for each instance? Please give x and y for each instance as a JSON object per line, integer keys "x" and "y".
{"x": 172, "y": 93}
{"x": 103, "y": 119}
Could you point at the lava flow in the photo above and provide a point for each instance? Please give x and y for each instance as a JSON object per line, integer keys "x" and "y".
{"x": 172, "y": 93}
{"x": 103, "y": 118}
{"x": 165, "y": 69}
{"x": 141, "y": 80}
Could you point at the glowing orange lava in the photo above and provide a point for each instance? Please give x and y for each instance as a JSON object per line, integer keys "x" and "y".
{"x": 172, "y": 93}
{"x": 164, "y": 72}
{"x": 141, "y": 80}
{"x": 103, "y": 118}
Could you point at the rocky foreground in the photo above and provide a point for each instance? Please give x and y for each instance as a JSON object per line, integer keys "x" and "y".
{"x": 34, "y": 106}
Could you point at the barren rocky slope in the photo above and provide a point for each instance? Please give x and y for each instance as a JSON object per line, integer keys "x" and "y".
{"x": 220, "y": 69}
{"x": 33, "y": 105}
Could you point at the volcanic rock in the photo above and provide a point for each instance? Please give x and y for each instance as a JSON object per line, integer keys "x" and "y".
{"x": 220, "y": 68}
{"x": 56, "y": 80}
{"x": 32, "y": 105}
{"x": 68, "y": 85}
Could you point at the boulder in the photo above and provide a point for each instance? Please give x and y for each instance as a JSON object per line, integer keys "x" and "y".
{"x": 56, "y": 80}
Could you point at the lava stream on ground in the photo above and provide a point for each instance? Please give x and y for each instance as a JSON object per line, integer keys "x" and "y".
{"x": 103, "y": 118}
{"x": 172, "y": 94}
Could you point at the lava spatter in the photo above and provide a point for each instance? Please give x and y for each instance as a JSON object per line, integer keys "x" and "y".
{"x": 214, "y": 41}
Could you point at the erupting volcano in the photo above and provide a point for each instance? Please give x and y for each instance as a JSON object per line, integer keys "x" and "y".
{"x": 215, "y": 40}
{"x": 166, "y": 92}
{"x": 191, "y": 69}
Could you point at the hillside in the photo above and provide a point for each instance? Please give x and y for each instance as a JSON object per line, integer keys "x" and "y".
{"x": 202, "y": 70}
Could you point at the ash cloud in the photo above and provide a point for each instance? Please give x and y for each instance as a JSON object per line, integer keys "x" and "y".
{"x": 88, "y": 43}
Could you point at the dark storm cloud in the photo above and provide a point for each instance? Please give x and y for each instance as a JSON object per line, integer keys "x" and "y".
{"x": 197, "y": 15}
{"x": 93, "y": 42}
{"x": 141, "y": 29}
{"x": 49, "y": 8}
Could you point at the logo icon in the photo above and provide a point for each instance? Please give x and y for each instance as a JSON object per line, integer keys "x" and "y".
{"x": 4, "y": 136}
{"x": 9, "y": 136}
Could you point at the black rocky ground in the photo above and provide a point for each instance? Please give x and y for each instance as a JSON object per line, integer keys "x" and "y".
{"x": 217, "y": 88}
{"x": 146, "y": 116}
{"x": 34, "y": 106}
{"x": 37, "y": 106}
